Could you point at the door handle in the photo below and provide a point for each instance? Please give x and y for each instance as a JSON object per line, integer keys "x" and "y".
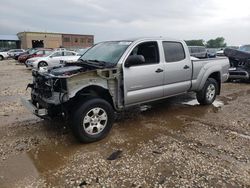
{"x": 186, "y": 67}
{"x": 159, "y": 70}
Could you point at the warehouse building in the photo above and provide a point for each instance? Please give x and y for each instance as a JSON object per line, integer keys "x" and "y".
{"x": 9, "y": 42}
{"x": 54, "y": 40}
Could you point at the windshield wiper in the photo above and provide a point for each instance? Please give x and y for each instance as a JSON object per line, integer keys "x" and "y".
{"x": 101, "y": 63}
{"x": 97, "y": 63}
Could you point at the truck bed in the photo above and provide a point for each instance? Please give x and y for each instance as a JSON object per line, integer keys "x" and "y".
{"x": 200, "y": 67}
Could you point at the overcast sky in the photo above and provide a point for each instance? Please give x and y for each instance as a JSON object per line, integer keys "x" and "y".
{"x": 113, "y": 19}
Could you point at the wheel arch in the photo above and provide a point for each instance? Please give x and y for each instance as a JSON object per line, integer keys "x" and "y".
{"x": 94, "y": 91}
{"x": 217, "y": 77}
{"x": 215, "y": 74}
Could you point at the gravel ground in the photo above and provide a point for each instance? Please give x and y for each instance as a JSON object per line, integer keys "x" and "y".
{"x": 172, "y": 143}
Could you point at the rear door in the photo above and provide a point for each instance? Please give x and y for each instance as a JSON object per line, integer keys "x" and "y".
{"x": 70, "y": 56}
{"x": 178, "y": 68}
{"x": 144, "y": 82}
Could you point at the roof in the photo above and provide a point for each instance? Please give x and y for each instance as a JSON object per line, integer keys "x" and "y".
{"x": 9, "y": 37}
{"x": 147, "y": 38}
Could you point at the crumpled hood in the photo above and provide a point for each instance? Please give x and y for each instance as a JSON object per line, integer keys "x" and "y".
{"x": 67, "y": 70}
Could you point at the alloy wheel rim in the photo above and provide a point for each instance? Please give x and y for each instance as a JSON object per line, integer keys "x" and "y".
{"x": 95, "y": 121}
{"x": 210, "y": 92}
{"x": 42, "y": 64}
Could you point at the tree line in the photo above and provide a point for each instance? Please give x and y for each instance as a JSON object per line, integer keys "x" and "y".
{"x": 219, "y": 42}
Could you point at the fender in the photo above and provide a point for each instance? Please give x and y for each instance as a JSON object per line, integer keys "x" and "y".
{"x": 208, "y": 71}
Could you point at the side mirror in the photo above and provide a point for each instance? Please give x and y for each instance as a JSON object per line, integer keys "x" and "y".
{"x": 134, "y": 60}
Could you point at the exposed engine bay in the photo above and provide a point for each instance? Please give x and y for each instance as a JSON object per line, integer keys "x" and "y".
{"x": 52, "y": 88}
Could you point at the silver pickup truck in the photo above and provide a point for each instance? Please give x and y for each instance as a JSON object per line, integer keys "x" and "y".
{"x": 115, "y": 75}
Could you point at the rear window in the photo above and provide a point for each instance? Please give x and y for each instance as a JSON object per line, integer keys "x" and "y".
{"x": 173, "y": 51}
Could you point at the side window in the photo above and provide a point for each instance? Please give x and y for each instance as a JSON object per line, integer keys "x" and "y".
{"x": 173, "y": 51}
{"x": 47, "y": 52}
{"x": 149, "y": 50}
{"x": 69, "y": 54}
{"x": 39, "y": 52}
{"x": 57, "y": 54}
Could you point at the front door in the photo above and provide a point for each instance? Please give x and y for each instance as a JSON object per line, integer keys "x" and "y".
{"x": 144, "y": 82}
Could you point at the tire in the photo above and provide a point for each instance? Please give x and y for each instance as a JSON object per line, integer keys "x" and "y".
{"x": 42, "y": 64}
{"x": 1, "y": 58}
{"x": 208, "y": 93}
{"x": 93, "y": 120}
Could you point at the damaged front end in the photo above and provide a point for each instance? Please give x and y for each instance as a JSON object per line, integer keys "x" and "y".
{"x": 54, "y": 91}
{"x": 48, "y": 93}
{"x": 239, "y": 64}
{"x": 49, "y": 90}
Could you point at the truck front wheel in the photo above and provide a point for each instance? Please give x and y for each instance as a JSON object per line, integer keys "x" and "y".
{"x": 92, "y": 120}
{"x": 208, "y": 93}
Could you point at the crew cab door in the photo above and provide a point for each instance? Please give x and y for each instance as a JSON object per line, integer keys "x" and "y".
{"x": 144, "y": 82}
{"x": 178, "y": 68}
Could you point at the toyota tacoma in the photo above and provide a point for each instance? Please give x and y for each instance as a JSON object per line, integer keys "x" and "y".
{"x": 114, "y": 75}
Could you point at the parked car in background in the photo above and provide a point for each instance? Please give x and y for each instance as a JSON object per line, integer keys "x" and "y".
{"x": 245, "y": 48}
{"x": 239, "y": 62}
{"x": 211, "y": 52}
{"x": 36, "y": 53}
{"x": 81, "y": 51}
{"x": 59, "y": 49}
{"x": 220, "y": 52}
{"x": 4, "y": 49}
{"x": 198, "y": 51}
{"x": 14, "y": 52}
{"x": 3, "y": 55}
{"x": 56, "y": 58}
{"x": 28, "y": 51}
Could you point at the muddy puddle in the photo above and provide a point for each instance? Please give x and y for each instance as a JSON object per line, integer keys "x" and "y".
{"x": 131, "y": 128}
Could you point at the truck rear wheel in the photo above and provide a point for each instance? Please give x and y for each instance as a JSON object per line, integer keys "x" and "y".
{"x": 92, "y": 120}
{"x": 208, "y": 93}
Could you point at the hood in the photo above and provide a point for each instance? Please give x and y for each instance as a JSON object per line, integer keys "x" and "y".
{"x": 67, "y": 70}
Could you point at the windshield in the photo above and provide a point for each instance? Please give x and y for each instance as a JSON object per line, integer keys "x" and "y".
{"x": 245, "y": 48}
{"x": 109, "y": 52}
{"x": 31, "y": 51}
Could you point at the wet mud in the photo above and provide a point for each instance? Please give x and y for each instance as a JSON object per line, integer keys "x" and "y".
{"x": 170, "y": 143}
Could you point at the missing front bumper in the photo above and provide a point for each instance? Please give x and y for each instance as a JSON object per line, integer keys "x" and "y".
{"x": 32, "y": 108}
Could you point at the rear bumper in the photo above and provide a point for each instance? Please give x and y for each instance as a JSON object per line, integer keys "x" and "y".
{"x": 43, "y": 113}
{"x": 239, "y": 75}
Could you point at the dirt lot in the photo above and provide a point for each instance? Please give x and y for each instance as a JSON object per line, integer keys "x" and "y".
{"x": 168, "y": 144}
